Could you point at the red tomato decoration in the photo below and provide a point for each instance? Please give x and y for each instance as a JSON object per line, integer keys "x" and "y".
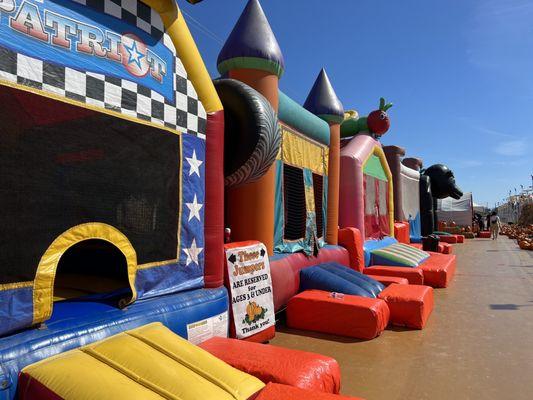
{"x": 378, "y": 121}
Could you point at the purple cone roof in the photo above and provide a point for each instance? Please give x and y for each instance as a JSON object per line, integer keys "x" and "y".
{"x": 323, "y": 101}
{"x": 251, "y": 44}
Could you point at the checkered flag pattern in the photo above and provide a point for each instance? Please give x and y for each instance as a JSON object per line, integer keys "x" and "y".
{"x": 186, "y": 114}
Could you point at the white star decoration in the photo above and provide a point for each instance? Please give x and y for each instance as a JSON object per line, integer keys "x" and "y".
{"x": 194, "y": 209}
{"x": 192, "y": 253}
{"x": 194, "y": 163}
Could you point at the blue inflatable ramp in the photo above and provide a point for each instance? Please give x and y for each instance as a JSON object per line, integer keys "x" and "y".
{"x": 333, "y": 277}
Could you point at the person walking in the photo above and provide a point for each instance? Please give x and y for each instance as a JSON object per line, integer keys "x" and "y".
{"x": 495, "y": 225}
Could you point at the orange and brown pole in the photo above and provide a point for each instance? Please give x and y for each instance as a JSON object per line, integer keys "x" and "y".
{"x": 334, "y": 169}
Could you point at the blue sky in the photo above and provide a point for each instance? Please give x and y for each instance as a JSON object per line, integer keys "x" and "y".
{"x": 459, "y": 72}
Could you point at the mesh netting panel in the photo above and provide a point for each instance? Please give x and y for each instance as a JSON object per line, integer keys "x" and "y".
{"x": 294, "y": 201}
{"x": 318, "y": 189}
{"x": 93, "y": 168}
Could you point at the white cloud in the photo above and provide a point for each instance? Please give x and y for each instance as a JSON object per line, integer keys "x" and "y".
{"x": 511, "y": 148}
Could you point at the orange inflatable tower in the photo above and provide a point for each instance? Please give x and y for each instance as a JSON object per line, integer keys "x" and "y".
{"x": 252, "y": 55}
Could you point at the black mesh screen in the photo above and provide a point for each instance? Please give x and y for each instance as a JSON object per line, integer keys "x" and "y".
{"x": 294, "y": 201}
{"x": 318, "y": 188}
{"x": 89, "y": 168}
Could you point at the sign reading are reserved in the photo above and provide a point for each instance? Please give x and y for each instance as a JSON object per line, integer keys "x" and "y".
{"x": 250, "y": 287}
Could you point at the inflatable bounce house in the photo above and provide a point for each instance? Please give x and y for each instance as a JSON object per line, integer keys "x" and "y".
{"x": 406, "y": 194}
{"x": 408, "y": 222}
{"x": 111, "y": 219}
{"x": 291, "y": 210}
{"x": 372, "y": 198}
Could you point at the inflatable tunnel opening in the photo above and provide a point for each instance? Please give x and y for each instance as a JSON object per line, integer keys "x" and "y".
{"x": 91, "y": 267}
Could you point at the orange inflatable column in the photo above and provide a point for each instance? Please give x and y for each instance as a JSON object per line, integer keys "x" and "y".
{"x": 332, "y": 224}
{"x": 251, "y": 207}
{"x": 252, "y": 55}
{"x": 323, "y": 102}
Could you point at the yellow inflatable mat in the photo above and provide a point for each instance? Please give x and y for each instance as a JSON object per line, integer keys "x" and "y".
{"x": 149, "y": 362}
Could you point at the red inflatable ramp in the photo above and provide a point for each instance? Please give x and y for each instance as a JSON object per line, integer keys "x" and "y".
{"x": 275, "y": 391}
{"x": 438, "y": 269}
{"x": 353, "y": 316}
{"x": 415, "y": 276}
{"x": 277, "y": 364}
{"x": 409, "y": 305}
{"x": 484, "y": 235}
{"x": 389, "y": 280}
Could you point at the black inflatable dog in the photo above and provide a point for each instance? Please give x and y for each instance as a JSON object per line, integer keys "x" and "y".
{"x": 436, "y": 182}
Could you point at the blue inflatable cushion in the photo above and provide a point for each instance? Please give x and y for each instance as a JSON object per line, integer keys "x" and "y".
{"x": 333, "y": 277}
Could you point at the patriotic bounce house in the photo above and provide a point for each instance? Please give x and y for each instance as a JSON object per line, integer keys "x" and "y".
{"x": 109, "y": 120}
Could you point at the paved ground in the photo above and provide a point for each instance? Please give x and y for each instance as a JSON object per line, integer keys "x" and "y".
{"x": 478, "y": 343}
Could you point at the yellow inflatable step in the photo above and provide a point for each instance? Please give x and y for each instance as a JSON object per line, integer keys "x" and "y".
{"x": 149, "y": 362}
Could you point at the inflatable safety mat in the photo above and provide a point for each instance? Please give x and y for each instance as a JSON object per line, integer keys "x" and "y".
{"x": 439, "y": 269}
{"x": 352, "y": 316}
{"x": 409, "y": 305}
{"x": 146, "y": 363}
{"x": 452, "y": 239}
{"x": 277, "y": 364}
{"x": 415, "y": 276}
{"x": 275, "y": 391}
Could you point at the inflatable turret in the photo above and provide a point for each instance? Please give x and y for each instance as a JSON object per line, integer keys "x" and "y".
{"x": 252, "y": 56}
{"x": 323, "y": 102}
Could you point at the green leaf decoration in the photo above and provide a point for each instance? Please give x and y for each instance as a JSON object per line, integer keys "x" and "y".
{"x": 383, "y": 105}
